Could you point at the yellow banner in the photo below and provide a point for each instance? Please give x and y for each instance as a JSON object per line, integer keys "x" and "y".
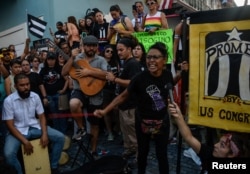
{"x": 165, "y": 36}
{"x": 219, "y": 85}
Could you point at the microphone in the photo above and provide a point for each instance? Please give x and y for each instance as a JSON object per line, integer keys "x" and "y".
{"x": 170, "y": 92}
{"x": 109, "y": 70}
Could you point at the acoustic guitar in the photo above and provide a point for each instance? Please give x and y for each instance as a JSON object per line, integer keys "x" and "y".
{"x": 89, "y": 85}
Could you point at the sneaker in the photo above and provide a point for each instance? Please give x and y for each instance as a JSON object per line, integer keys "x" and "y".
{"x": 128, "y": 153}
{"x": 110, "y": 137}
{"x": 79, "y": 134}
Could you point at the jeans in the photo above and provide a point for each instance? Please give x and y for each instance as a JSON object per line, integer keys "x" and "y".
{"x": 59, "y": 122}
{"x": 161, "y": 144}
{"x": 12, "y": 145}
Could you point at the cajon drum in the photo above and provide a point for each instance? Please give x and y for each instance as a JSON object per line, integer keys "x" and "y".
{"x": 38, "y": 162}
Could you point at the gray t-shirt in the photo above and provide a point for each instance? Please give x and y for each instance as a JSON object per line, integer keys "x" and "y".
{"x": 97, "y": 62}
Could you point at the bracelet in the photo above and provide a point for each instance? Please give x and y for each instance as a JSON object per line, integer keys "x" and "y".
{"x": 45, "y": 97}
{"x": 176, "y": 36}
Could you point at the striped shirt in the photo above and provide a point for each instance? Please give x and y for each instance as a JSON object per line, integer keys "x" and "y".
{"x": 153, "y": 21}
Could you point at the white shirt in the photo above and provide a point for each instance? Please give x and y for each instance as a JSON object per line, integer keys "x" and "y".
{"x": 23, "y": 111}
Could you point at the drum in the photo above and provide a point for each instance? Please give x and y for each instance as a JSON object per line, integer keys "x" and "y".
{"x": 38, "y": 162}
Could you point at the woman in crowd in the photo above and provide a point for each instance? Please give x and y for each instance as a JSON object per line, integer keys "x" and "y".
{"x": 155, "y": 19}
{"x": 109, "y": 89}
{"x": 89, "y": 21}
{"x": 100, "y": 30}
{"x": 230, "y": 145}
{"x": 152, "y": 120}
{"x": 73, "y": 33}
{"x": 61, "y": 60}
{"x": 139, "y": 54}
{"x": 35, "y": 62}
{"x": 120, "y": 26}
{"x": 82, "y": 27}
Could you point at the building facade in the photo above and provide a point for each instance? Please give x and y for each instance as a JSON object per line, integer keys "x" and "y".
{"x": 13, "y": 25}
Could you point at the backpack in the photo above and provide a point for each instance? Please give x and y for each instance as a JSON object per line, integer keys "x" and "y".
{"x": 124, "y": 23}
{"x": 125, "y": 27}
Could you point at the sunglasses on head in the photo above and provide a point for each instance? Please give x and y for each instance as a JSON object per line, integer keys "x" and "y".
{"x": 150, "y": 3}
{"x": 109, "y": 51}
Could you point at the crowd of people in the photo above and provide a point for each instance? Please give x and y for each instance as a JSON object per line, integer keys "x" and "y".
{"x": 100, "y": 70}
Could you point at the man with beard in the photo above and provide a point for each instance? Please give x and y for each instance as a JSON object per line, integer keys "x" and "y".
{"x": 79, "y": 98}
{"x": 19, "y": 110}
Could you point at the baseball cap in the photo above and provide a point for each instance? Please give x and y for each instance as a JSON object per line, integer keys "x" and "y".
{"x": 90, "y": 40}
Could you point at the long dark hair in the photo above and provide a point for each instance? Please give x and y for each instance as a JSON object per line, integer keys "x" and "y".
{"x": 114, "y": 61}
{"x": 116, "y": 8}
{"x": 49, "y": 55}
{"x": 143, "y": 57}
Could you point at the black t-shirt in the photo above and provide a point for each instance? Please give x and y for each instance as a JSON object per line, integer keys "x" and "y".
{"x": 151, "y": 94}
{"x": 52, "y": 79}
{"x": 114, "y": 68}
{"x": 35, "y": 82}
{"x": 100, "y": 31}
{"x": 129, "y": 69}
{"x": 60, "y": 34}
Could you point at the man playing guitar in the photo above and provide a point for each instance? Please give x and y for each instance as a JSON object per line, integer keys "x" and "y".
{"x": 88, "y": 71}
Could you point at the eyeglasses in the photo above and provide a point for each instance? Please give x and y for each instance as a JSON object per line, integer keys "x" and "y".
{"x": 150, "y": 3}
{"x": 154, "y": 57}
{"x": 109, "y": 51}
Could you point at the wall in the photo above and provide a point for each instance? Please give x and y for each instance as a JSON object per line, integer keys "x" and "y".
{"x": 13, "y": 12}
